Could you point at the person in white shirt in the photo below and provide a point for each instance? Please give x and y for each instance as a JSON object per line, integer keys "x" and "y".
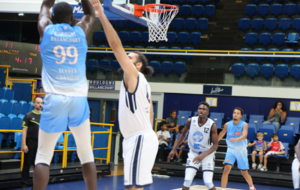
{"x": 163, "y": 140}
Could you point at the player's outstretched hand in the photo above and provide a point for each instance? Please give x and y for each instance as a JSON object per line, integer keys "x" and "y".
{"x": 171, "y": 156}
{"x": 198, "y": 159}
{"x": 97, "y": 7}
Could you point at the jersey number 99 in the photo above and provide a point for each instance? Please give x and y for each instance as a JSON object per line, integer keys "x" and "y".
{"x": 60, "y": 52}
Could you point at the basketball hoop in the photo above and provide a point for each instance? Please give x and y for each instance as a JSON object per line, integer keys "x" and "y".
{"x": 160, "y": 16}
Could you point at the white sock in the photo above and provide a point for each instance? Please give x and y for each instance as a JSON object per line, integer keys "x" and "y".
{"x": 223, "y": 189}
{"x": 252, "y": 187}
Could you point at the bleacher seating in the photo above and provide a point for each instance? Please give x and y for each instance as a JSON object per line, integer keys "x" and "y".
{"x": 266, "y": 70}
{"x": 251, "y": 38}
{"x": 124, "y": 36}
{"x": 166, "y": 67}
{"x": 185, "y": 10}
{"x": 294, "y": 124}
{"x": 286, "y": 134}
{"x": 16, "y": 123}
{"x": 217, "y": 114}
{"x": 287, "y": 59}
{"x": 179, "y": 67}
{"x": 218, "y": 121}
{"x": 9, "y": 94}
{"x": 195, "y": 38}
{"x": 5, "y": 122}
{"x": 296, "y": 24}
{"x": 244, "y": 24}
{"x": 250, "y": 10}
{"x": 190, "y": 24}
{"x": 2, "y": 93}
{"x": 178, "y": 23}
{"x": 295, "y": 71}
{"x": 99, "y": 36}
{"x": 162, "y": 56}
{"x": 238, "y": 69}
{"x": 252, "y": 70}
{"x": 264, "y": 38}
{"x": 276, "y": 9}
{"x": 145, "y": 37}
{"x": 155, "y": 65}
{"x": 267, "y": 130}
{"x": 289, "y": 9}
{"x": 104, "y": 65}
{"x": 115, "y": 65}
{"x": 92, "y": 65}
{"x": 251, "y": 132}
{"x": 257, "y": 122}
{"x": 202, "y": 24}
{"x": 292, "y": 38}
{"x": 135, "y": 36}
{"x": 282, "y": 70}
{"x": 171, "y": 37}
{"x": 209, "y": 10}
{"x": 284, "y": 24}
{"x": 197, "y": 10}
{"x": 278, "y": 39}
{"x": 271, "y": 24}
{"x": 257, "y": 24}
{"x": 244, "y": 58}
{"x": 259, "y": 59}
{"x": 182, "y": 37}
{"x": 263, "y": 9}
{"x": 272, "y": 59}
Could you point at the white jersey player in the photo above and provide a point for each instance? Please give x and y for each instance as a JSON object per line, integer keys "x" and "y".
{"x": 203, "y": 142}
{"x": 140, "y": 143}
{"x": 296, "y": 167}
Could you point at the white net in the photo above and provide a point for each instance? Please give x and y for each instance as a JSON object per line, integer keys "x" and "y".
{"x": 161, "y": 17}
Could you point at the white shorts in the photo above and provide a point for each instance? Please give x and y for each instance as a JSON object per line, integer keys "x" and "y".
{"x": 271, "y": 152}
{"x": 296, "y": 173}
{"x": 208, "y": 163}
{"x": 139, "y": 153}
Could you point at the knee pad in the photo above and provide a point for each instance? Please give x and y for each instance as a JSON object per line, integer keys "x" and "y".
{"x": 187, "y": 183}
{"x": 189, "y": 176}
{"x": 207, "y": 178}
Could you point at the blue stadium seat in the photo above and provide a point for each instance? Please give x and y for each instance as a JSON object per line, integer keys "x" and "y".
{"x": 177, "y": 48}
{"x": 183, "y": 118}
{"x": 259, "y": 59}
{"x": 263, "y": 9}
{"x": 162, "y": 56}
{"x": 293, "y": 124}
{"x": 178, "y": 23}
{"x": 127, "y": 46}
{"x": 244, "y": 24}
{"x": 272, "y": 59}
{"x": 217, "y": 114}
{"x": 182, "y": 37}
{"x": 290, "y": 127}
{"x": 250, "y": 10}
{"x": 268, "y": 132}
{"x": 218, "y": 121}
{"x": 195, "y": 38}
{"x": 5, "y": 88}
{"x": 264, "y": 39}
{"x": 252, "y": 116}
{"x": 271, "y": 24}
{"x": 150, "y": 56}
{"x": 16, "y": 123}
{"x": 11, "y": 115}
{"x": 209, "y": 10}
{"x": 135, "y": 36}
{"x": 155, "y": 65}
{"x": 202, "y": 24}
{"x": 6, "y": 108}
{"x": 266, "y": 70}
{"x": 190, "y": 23}
{"x": 289, "y": 9}
{"x": 251, "y": 38}
{"x": 257, "y": 24}
{"x": 296, "y": 24}
{"x": 132, "y": 25}
{"x": 104, "y": 65}
{"x": 187, "y": 57}
{"x": 284, "y": 24}
{"x": 91, "y": 54}
{"x": 120, "y": 24}
{"x": 295, "y": 71}
{"x": 287, "y": 149}
{"x": 184, "y": 112}
{"x": 251, "y": 132}
{"x": 179, "y": 67}
{"x": 292, "y": 38}
{"x": 9, "y": 95}
{"x": 276, "y": 9}
{"x": 100, "y": 36}
{"x": 22, "y": 102}
{"x": 115, "y": 65}
{"x": 185, "y": 10}
{"x": 298, "y": 9}
{"x": 170, "y": 145}
{"x": 92, "y": 65}
{"x": 292, "y": 119}
{"x": 16, "y": 108}
{"x": 21, "y": 116}
{"x": 282, "y": 70}
{"x": 286, "y": 135}
{"x": 25, "y": 108}
{"x": 278, "y": 39}
{"x": 124, "y": 36}
{"x": 244, "y": 117}
{"x": 1, "y": 93}
{"x": 252, "y": 69}
{"x": 166, "y": 67}
{"x": 5, "y": 123}
{"x": 245, "y": 59}
{"x": 171, "y": 37}
{"x": 287, "y": 59}
{"x": 145, "y": 37}
{"x": 197, "y": 10}
{"x": 238, "y": 69}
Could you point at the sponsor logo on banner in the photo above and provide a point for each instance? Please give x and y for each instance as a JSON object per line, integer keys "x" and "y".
{"x": 214, "y": 89}
{"x": 102, "y": 85}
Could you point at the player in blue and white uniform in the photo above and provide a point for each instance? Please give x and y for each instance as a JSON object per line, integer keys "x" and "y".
{"x": 63, "y": 50}
{"x": 203, "y": 143}
{"x": 237, "y": 131}
{"x": 140, "y": 143}
{"x": 296, "y": 167}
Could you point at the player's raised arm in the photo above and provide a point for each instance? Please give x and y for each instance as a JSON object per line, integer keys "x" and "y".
{"x": 44, "y": 16}
{"x": 130, "y": 71}
{"x": 223, "y": 132}
{"x": 88, "y": 19}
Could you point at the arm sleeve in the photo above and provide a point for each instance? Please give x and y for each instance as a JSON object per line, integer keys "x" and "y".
{"x": 25, "y": 121}
{"x": 176, "y": 121}
{"x": 168, "y": 120}
{"x": 281, "y": 146}
{"x": 168, "y": 135}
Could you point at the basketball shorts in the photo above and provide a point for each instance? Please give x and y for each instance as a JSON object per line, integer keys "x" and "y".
{"x": 60, "y": 111}
{"x": 296, "y": 173}
{"x": 208, "y": 163}
{"x": 239, "y": 155}
{"x": 139, "y": 153}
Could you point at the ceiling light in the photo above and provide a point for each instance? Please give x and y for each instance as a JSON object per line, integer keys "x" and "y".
{"x": 21, "y": 14}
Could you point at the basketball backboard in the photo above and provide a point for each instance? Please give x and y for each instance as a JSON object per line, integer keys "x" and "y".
{"x": 125, "y": 9}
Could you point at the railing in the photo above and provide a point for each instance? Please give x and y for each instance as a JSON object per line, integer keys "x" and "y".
{"x": 65, "y": 148}
{"x": 7, "y": 71}
{"x": 156, "y": 123}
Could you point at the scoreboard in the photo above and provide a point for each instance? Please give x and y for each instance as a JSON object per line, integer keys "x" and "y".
{"x": 24, "y": 58}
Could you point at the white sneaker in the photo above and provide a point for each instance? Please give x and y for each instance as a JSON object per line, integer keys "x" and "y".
{"x": 263, "y": 169}
{"x": 253, "y": 165}
{"x": 259, "y": 166}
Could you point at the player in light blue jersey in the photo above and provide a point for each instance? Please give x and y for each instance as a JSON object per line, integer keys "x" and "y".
{"x": 63, "y": 50}
{"x": 237, "y": 132}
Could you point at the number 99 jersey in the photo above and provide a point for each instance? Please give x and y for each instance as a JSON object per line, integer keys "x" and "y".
{"x": 63, "y": 51}
{"x": 199, "y": 139}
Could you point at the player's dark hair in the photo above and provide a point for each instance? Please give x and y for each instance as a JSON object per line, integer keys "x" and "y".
{"x": 274, "y": 135}
{"x": 36, "y": 98}
{"x": 238, "y": 108}
{"x": 146, "y": 70}
{"x": 204, "y": 103}
{"x": 283, "y": 106}
{"x": 173, "y": 111}
{"x": 181, "y": 127}
{"x": 62, "y": 12}
{"x": 162, "y": 123}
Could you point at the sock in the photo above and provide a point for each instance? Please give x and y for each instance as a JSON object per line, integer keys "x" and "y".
{"x": 223, "y": 189}
{"x": 252, "y": 188}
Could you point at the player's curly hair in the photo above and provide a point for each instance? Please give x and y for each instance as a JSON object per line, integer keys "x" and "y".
{"x": 62, "y": 12}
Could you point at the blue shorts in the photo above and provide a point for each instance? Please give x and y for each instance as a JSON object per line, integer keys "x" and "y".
{"x": 241, "y": 156}
{"x": 60, "y": 111}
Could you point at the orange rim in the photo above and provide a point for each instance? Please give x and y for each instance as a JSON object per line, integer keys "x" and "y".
{"x": 151, "y": 8}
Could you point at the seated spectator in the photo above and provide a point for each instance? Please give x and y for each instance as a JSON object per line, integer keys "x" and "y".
{"x": 182, "y": 146}
{"x": 163, "y": 139}
{"x": 277, "y": 148}
{"x": 173, "y": 122}
{"x": 277, "y": 115}
{"x": 260, "y": 148}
